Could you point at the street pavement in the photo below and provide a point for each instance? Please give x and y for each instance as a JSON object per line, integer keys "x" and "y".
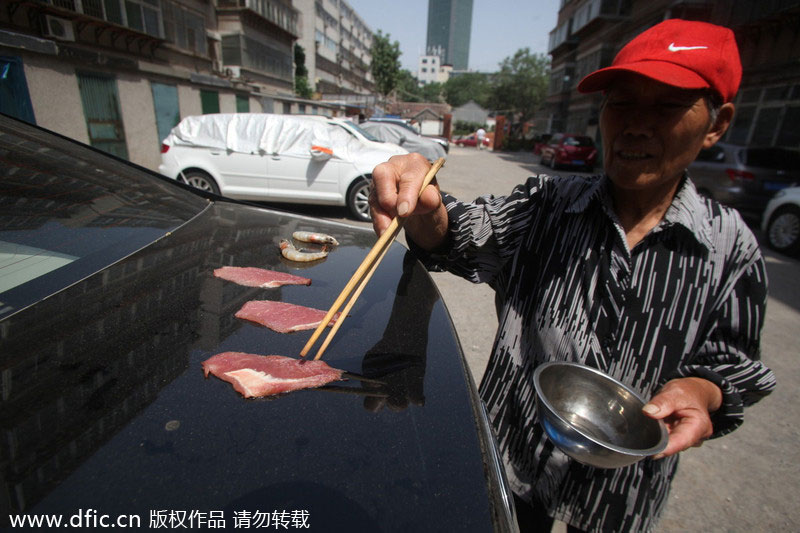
{"x": 747, "y": 481}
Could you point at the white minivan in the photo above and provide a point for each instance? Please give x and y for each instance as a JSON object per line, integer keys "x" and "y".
{"x": 276, "y": 158}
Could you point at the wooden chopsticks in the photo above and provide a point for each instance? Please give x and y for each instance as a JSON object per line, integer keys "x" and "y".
{"x": 363, "y": 274}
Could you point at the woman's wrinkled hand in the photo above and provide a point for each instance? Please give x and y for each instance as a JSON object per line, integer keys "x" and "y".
{"x": 685, "y": 405}
{"x": 395, "y": 192}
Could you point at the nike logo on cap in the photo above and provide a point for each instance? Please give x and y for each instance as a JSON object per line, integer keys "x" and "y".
{"x": 673, "y": 48}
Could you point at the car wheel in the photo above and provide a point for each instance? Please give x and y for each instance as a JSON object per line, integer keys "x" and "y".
{"x": 200, "y": 180}
{"x": 358, "y": 200}
{"x": 783, "y": 230}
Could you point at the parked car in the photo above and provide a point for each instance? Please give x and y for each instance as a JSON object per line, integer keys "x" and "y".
{"x": 366, "y": 138}
{"x": 277, "y": 158}
{"x": 443, "y": 141}
{"x": 744, "y": 177}
{"x": 470, "y": 140}
{"x": 569, "y": 150}
{"x": 539, "y": 142}
{"x": 110, "y": 306}
{"x": 781, "y": 221}
{"x": 400, "y": 136}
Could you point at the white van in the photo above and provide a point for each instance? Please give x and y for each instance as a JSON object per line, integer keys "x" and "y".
{"x": 277, "y": 158}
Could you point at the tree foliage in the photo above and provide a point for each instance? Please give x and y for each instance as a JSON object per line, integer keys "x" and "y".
{"x": 459, "y": 90}
{"x": 521, "y": 84}
{"x": 385, "y": 63}
{"x": 301, "y": 85}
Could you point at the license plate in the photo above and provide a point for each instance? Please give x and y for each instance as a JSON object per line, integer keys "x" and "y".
{"x": 577, "y": 161}
{"x": 774, "y": 185}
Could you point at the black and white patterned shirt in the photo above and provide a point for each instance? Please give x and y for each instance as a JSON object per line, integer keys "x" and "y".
{"x": 688, "y": 300}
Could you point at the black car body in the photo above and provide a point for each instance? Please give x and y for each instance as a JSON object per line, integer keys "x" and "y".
{"x": 108, "y": 419}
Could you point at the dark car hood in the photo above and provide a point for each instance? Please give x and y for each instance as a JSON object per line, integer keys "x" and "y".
{"x": 105, "y": 405}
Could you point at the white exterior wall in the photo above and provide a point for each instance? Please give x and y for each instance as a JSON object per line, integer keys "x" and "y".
{"x": 138, "y": 119}
{"x": 55, "y": 97}
{"x": 189, "y": 101}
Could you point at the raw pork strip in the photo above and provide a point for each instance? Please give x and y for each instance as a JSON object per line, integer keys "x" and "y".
{"x": 282, "y": 317}
{"x": 264, "y": 375}
{"x": 259, "y": 277}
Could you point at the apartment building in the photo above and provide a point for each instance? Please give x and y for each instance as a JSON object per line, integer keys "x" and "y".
{"x": 338, "y": 45}
{"x": 431, "y": 69}
{"x": 119, "y": 74}
{"x": 589, "y": 33}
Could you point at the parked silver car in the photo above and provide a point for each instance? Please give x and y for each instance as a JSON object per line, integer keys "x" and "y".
{"x": 413, "y": 142}
{"x": 745, "y": 177}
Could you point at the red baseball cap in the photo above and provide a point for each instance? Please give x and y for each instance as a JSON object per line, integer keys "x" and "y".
{"x": 681, "y": 53}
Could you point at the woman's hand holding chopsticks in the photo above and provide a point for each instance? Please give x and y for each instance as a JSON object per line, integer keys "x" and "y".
{"x": 367, "y": 267}
{"x": 396, "y": 192}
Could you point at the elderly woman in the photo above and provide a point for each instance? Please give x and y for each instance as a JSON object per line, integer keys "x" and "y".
{"x": 630, "y": 272}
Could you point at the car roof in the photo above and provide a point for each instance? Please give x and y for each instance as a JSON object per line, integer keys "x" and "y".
{"x": 106, "y": 405}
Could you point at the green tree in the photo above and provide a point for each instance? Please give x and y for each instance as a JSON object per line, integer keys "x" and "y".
{"x": 301, "y": 85}
{"x": 432, "y": 92}
{"x": 385, "y": 63}
{"x": 521, "y": 84}
{"x": 407, "y": 88}
{"x": 460, "y": 89}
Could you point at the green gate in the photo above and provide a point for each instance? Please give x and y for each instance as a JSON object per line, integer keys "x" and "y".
{"x": 101, "y": 109}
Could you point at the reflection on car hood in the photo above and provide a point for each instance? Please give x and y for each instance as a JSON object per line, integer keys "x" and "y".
{"x": 105, "y": 405}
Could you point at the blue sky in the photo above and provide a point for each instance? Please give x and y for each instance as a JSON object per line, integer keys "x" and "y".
{"x": 499, "y": 28}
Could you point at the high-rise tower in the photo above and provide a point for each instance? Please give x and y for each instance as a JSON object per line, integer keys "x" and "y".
{"x": 449, "y": 26}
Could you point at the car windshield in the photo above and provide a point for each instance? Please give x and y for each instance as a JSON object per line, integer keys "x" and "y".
{"x": 773, "y": 158}
{"x": 68, "y": 212}
{"x": 366, "y": 134}
{"x": 579, "y": 141}
{"x": 402, "y": 124}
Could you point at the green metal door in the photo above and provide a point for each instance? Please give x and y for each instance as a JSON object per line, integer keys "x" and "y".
{"x": 209, "y": 101}
{"x": 101, "y": 109}
{"x": 165, "y": 101}
{"x": 14, "y": 97}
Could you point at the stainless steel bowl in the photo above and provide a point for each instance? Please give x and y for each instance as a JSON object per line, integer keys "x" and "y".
{"x": 594, "y": 418}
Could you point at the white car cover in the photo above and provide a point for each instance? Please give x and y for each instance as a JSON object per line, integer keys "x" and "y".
{"x": 265, "y": 133}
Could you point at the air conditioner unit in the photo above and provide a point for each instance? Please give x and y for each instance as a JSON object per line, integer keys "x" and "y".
{"x": 234, "y": 72}
{"x": 58, "y": 28}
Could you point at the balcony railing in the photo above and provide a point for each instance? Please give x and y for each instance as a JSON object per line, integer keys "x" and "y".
{"x": 596, "y": 9}
{"x": 278, "y": 13}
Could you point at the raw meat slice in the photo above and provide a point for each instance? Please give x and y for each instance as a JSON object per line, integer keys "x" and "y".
{"x": 282, "y": 317}
{"x": 264, "y": 375}
{"x": 259, "y": 277}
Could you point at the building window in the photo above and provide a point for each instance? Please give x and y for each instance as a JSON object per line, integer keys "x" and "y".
{"x": 424, "y": 60}
{"x": 240, "y": 50}
{"x": 184, "y": 28}
{"x": 789, "y": 134}
{"x": 143, "y": 16}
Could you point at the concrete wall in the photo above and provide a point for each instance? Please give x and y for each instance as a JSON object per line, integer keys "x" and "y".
{"x": 55, "y": 96}
{"x": 138, "y": 119}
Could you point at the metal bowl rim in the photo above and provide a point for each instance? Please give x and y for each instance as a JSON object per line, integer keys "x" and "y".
{"x": 639, "y": 452}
